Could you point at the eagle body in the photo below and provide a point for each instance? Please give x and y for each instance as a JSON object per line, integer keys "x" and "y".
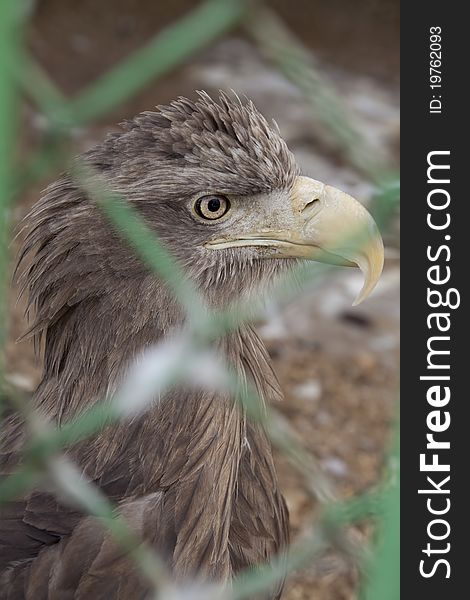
{"x": 193, "y": 476}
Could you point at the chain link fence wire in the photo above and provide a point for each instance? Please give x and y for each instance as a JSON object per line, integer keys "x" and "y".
{"x": 161, "y": 367}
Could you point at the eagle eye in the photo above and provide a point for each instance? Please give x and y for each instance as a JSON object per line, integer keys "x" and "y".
{"x": 212, "y": 207}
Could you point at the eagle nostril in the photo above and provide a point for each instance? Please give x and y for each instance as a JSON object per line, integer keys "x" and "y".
{"x": 310, "y": 205}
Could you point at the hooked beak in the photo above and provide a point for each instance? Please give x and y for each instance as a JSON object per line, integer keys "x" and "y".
{"x": 323, "y": 224}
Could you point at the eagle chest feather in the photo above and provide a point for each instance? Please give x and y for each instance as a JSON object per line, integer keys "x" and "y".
{"x": 222, "y": 509}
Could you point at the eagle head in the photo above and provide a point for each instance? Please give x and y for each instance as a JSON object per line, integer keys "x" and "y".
{"x": 220, "y": 188}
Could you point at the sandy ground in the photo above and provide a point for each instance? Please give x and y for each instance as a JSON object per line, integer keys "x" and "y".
{"x": 337, "y": 364}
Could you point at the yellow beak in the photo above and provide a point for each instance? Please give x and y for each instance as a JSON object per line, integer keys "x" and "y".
{"x": 325, "y": 225}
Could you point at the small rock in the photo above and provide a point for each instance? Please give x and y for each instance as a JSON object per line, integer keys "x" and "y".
{"x": 335, "y": 466}
{"x": 308, "y": 390}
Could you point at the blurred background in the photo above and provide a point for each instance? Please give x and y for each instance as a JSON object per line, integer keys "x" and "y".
{"x": 337, "y": 364}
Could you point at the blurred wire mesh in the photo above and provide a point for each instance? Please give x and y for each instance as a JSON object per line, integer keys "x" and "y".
{"x": 20, "y": 74}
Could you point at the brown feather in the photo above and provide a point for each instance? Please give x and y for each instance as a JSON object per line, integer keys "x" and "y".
{"x": 192, "y": 476}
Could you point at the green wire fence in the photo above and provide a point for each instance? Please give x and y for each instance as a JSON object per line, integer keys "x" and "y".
{"x": 19, "y": 74}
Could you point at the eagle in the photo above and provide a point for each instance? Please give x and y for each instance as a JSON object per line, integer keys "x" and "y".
{"x": 193, "y": 475}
